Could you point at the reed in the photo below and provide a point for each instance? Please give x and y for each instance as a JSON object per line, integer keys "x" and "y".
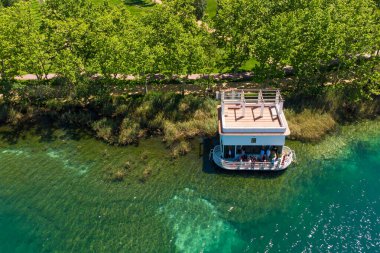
{"x": 309, "y": 125}
{"x": 103, "y": 129}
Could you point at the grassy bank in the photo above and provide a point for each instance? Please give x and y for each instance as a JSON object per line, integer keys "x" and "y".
{"x": 124, "y": 119}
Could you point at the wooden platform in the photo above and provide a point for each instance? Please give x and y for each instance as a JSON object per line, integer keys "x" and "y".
{"x": 233, "y": 117}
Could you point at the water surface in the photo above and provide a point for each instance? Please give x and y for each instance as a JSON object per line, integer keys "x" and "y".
{"x": 56, "y": 195}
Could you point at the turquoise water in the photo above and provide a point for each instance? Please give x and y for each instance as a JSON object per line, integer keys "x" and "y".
{"x": 57, "y": 195}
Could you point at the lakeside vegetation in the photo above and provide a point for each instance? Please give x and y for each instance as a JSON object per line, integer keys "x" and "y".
{"x": 322, "y": 54}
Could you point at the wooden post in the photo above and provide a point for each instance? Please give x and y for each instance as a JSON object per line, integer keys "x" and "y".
{"x": 242, "y": 101}
{"x": 261, "y": 99}
{"x": 277, "y": 96}
{"x": 280, "y": 107}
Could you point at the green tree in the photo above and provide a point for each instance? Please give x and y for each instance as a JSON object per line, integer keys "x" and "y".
{"x": 186, "y": 44}
{"x": 307, "y": 35}
{"x": 116, "y": 42}
{"x": 10, "y": 48}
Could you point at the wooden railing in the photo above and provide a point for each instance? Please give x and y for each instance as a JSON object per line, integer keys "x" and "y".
{"x": 258, "y": 95}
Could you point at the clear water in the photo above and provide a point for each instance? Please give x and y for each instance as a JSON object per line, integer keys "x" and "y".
{"x": 56, "y": 196}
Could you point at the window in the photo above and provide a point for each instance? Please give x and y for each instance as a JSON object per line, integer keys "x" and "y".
{"x": 253, "y": 140}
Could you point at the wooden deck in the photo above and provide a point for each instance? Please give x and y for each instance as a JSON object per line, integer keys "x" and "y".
{"x": 233, "y": 117}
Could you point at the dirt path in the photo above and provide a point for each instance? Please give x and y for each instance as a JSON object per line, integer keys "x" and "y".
{"x": 226, "y": 76}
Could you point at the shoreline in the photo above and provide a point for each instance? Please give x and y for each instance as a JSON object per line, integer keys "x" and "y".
{"x": 175, "y": 118}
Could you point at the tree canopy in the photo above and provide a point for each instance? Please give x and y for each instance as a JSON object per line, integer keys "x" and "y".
{"x": 321, "y": 40}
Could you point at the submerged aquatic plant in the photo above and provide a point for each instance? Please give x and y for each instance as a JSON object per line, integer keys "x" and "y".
{"x": 118, "y": 176}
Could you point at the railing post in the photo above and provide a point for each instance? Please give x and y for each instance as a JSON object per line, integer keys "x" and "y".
{"x": 280, "y": 107}
{"x": 242, "y": 101}
{"x": 261, "y": 99}
{"x": 262, "y": 110}
{"x": 277, "y": 96}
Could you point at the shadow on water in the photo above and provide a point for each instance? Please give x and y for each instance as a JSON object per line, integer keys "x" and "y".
{"x": 42, "y": 128}
{"x": 11, "y": 135}
{"x": 209, "y": 167}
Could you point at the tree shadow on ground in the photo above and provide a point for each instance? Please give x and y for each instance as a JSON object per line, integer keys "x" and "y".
{"x": 209, "y": 167}
{"x": 140, "y": 3}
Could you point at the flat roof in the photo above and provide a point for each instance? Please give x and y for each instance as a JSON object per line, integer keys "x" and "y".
{"x": 233, "y": 118}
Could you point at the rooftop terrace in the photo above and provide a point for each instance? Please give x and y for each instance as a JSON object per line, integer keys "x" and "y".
{"x": 252, "y": 111}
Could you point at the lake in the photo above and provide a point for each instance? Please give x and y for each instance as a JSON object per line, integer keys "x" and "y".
{"x": 57, "y": 195}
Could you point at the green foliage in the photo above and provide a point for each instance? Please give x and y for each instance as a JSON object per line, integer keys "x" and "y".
{"x": 307, "y": 35}
{"x": 323, "y": 41}
{"x": 90, "y": 45}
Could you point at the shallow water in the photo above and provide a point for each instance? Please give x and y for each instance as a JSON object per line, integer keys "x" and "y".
{"x": 56, "y": 196}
